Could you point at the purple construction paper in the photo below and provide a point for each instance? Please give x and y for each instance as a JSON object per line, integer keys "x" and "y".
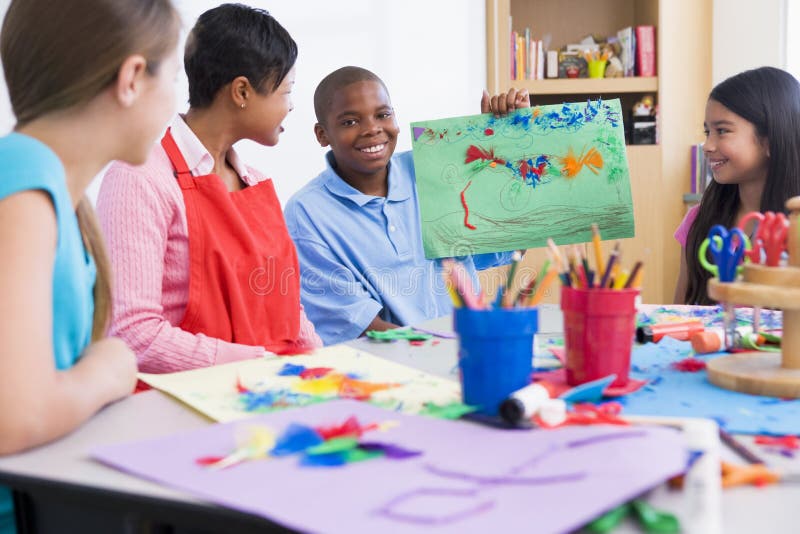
{"x": 470, "y": 478}
{"x": 417, "y": 132}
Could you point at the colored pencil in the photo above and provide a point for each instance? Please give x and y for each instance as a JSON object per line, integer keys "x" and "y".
{"x": 507, "y": 294}
{"x": 738, "y": 448}
{"x": 632, "y": 276}
{"x": 542, "y": 288}
{"x": 598, "y": 252}
{"x": 612, "y": 258}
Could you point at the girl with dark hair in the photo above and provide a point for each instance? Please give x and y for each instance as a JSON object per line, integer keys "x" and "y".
{"x": 77, "y": 110}
{"x": 206, "y": 270}
{"x": 752, "y": 128}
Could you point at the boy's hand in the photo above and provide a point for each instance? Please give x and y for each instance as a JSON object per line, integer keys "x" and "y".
{"x": 504, "y": 103}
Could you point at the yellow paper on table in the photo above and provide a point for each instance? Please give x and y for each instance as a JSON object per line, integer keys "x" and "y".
{"x": 217, "y": 391}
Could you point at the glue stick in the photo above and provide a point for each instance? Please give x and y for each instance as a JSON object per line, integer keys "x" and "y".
{"x": 713, "y": 339}
{"x": 702, "y": 487}
{"x": 524, "y": 403}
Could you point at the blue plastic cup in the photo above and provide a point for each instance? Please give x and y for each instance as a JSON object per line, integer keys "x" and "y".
{"x": 495, "y": 354}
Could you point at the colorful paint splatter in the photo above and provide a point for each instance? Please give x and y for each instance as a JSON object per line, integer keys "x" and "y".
{"x": 488, "y": 184}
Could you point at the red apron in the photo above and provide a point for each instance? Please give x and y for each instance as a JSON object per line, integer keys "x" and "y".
{"x": 244, "y": 279}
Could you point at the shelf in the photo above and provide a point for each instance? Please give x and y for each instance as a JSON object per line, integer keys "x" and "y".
{"x": 578, "y": 86}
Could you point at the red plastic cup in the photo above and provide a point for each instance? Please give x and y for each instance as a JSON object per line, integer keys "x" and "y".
{"x": 599, "y": 326}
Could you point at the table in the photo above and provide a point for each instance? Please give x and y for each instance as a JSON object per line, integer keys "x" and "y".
{"x": 61, "y": 490}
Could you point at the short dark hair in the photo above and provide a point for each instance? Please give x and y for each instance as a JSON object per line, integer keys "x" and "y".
{"x": 334, "y": 81}
{"x": 234, "y": 40}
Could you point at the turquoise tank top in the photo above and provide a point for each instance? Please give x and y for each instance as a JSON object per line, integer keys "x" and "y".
{"x": 28, "y": 164}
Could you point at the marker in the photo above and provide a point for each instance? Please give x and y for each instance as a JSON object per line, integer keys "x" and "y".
{"x": 679, "y": 331}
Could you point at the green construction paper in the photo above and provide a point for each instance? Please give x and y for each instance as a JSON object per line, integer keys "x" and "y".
{"x": 448, "y": 411}
{"x": 333, "y": 445}
{"x": 527, "y": 196}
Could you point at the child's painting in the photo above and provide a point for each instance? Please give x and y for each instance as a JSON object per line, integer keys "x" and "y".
{"x": 489, "y": 184}
{"x": 242, "y": 389}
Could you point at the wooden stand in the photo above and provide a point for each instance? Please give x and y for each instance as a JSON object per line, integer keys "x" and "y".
{"x": 763, "y": 373}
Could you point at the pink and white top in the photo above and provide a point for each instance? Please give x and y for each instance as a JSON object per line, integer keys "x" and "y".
{"x": 143, "y": 217}
{"x": 682, "y": 233}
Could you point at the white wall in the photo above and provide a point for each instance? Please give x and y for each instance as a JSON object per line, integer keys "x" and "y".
{"x": 748, "y": 34}
{"x": 430, "y": 53}
{"x": 793, "y": 37}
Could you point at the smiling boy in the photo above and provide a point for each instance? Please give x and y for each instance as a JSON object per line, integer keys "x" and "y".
{"x": 356, "y": 225}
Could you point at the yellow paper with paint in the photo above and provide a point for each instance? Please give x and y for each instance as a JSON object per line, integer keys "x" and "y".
{"x": 241, "y": 389}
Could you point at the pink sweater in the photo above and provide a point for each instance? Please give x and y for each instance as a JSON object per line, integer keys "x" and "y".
{"x": 143, "y": 217}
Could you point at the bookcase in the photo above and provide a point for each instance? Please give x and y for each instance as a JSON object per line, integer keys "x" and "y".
{"x": 660, "y": 174}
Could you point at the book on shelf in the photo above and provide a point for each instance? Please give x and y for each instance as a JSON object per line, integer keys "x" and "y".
{"x": 527, "y": 56}
{"x": 645, "y": 51}
{"x": 627, "y": 47}
{"x": 701, "y": 172}
{"x": 634, "y": 48}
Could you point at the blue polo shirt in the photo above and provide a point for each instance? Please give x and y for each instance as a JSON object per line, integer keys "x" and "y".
{"x": 361, "y": 255}
{"x": 27, "y": 164}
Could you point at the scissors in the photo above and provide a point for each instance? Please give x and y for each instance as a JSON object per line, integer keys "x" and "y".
{"x": 398, "y": 333}
{"x": 769, "y": 237}
{"x": 727, "y": 248}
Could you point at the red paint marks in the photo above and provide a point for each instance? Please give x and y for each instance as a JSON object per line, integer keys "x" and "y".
{"x": 689, "y": 365}
{"x": 466, "y": 207}
{"x": 239, "y": 386}
{"x": 788, "y": 442}
{"x": 589, "y": 414}
{"x": 488, "y": 131}
{"x": 417, "y": 343}
{"x": 475, "y": 153}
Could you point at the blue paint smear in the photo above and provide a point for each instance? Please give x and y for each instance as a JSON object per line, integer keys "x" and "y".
{"x": 290, "y": 369}
{"x": 673, "y": 393}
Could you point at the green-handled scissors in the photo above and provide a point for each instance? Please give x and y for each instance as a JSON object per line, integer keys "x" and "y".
{"x": 398, "y": 333}
{"x": 728, "y": 248}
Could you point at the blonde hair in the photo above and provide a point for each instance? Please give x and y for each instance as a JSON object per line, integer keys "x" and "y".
{"x": 57, "y": 55}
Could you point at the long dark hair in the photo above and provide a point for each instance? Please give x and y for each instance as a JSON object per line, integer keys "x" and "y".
{"x": 769, "y": 98}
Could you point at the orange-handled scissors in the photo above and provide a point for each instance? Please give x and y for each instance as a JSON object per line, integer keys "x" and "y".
{"x": 769, "y": 237}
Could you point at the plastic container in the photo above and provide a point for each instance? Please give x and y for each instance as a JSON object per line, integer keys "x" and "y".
{"x": 597, "y": 68}
{"x": 495, "y": 354}
{"x": 599, "y": 326}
